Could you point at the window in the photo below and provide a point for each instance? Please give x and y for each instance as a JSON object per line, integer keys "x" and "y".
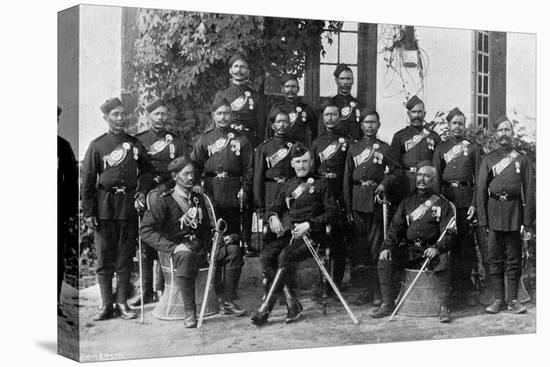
{"x": 344, "y": 49}
{"x": 482, "y": 79}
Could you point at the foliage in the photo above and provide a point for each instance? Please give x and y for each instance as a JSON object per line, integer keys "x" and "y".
{"x": 182, "y": 56}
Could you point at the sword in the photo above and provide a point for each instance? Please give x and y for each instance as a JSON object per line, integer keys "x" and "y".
{"x": 311, "y": 249}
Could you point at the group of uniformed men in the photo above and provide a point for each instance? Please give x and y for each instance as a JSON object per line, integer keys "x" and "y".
{"x": 330, "y": 188}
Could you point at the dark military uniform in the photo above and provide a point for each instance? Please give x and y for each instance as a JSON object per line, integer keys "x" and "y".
{"x": 329, "y": 153}
{"x": 114, "y": 169}
{"x": 505, "y": 201}
{"x": 300, "y": 200}
{"x": 271, "y": 169}
{"x": 457, "y": 164}
{"x": 369, "y": 163}
{"x": 162, "y": 147}
{"x": 413, "y": 146}
{"x": 248, "y": 111}
{"x": 226, "y": 159}
{"x": 67, "y": 202}
{"x": 303, "y": 120}
{"x": 417, "y": 224}
{"x": 350, "y": 111}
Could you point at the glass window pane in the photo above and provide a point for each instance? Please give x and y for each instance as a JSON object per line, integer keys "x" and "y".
{"x": 485, "y": 122}
{"x": 350, "y": 26}
{"x": 486, "y": 64}
{"x": 330, "y": 49}
{"x": 479, "y": 83}
{"x": 479, "y": 41}
{"x": 348, "y": 48}
{"x": 479, "y": 121}
{"x": 479, "y": 105}
{"x": 485, "y": 105}
{"x": 486, "y": 84}
{"x": 486, "y": 43}
{"x": 479, "y": 63}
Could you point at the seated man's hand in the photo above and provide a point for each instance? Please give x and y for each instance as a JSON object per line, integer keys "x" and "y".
{"x": 301, "y": 229}
{"x": 380, "y": 189}
{"x": 139, "y": 201}
{"x": 431, "y": 252}
{"x": 275, "y": 224}
{"x": 91, "y": 222}
{"x": 385, "y": 255}
{"x": 181, "y": 247}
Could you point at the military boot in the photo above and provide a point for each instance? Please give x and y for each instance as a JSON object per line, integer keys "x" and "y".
{"x": 123, "y": 285}
{"x": 106, "y": 289}
{"x": 515, "y": 307}
{"x": 495, "y": 307}
{"x": 293, "y": 306}
{"x": 383, "y": 311}
{"x": 261, "y": 316}
{"x": 187, "y": 288}
{"x": 497, "y": 284}
{"x": 230, "y": 282}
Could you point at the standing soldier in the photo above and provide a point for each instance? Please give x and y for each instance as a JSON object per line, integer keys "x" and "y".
{"x": 310, "y": 207}
{"x": 414, "y": 143}
{"x": 272, "y": 162}
{"x": 371, "y": 171}
{"x": 505, "y": 202}
{"x": 225, "y": 157}
{"x": 457, "y": 161}
{"x": 303, "y": 121}
{"x": 115, "y": 177}
{"x": 421, "y": 229}
{"x": 329, "y": 152}
{"x": 247, "y": 104}
{"x": 162, "y": 147}
{"x": 349, "y": 106}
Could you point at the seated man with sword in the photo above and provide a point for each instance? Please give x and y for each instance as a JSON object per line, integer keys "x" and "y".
{"x": 179, "y": 221}
{"x": 303, "y": 207}
{"x": 420, "y": 233}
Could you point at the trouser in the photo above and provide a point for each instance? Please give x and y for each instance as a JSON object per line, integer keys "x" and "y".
{"x": 369, "y": 233}
{"x": 390, "y": 272}
{"x": 280, "y": 254}
{"x": 504, "y": 257}
{"x": 115, "y": 242}
{"x": 463, "y": 254}
{"x": 148, "y": 256}
{"x": 232, "y": 217}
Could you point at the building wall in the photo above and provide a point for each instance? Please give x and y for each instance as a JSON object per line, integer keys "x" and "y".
{"x": 521, "y": 79}
{"x": 447, "y": 82}
{"x": 67, "y": 74}
{"x": 100, "y": 67}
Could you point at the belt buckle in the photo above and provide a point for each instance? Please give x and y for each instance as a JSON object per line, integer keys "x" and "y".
{"x": 221, "y": 175}
{"x": 120, "y": 189}
{"x": 279, "y": 180}
{"x": 330, "y": 175}
{"x": 454, "y": 184}
{"x": 156, "y": 179}
{"x": 502, "y": 197}
{"x": 418, "y": 243}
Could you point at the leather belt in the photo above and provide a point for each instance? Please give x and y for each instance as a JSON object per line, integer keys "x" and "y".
{"x": 221, "y": 174}
{"x": 456, "y": 183}
{"x": 239, "y": 127}
{"x": 278, "y": 180}
{"x": 329, "y": 175}
{"x": 504, "y": 196}
{"x": 365, "y": 183}
{"x": 117, "y": 189}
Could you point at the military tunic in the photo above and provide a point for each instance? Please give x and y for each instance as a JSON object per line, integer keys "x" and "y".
{"x": 413, "y": 146}
{"x": 417, "y": 224}
{"x": 505, "y": 201}
{"x": 115, "y": 167}
{"x": 369, "y": 163}
{"x": 225, "y": 157}
{"x": 350, "y": 111}
{"x": 303, "y": 120}
{"x": 457, "y": 164}
{"x": 271, "y": 169}
{"x": 162, "y": 147}
{"x": 329, "y": 153}
{"x": 248, "y": 111}
{"x": 315, "y": 205}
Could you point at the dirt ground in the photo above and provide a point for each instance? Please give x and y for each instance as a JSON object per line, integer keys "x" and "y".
{"x": 121, "y": 339}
